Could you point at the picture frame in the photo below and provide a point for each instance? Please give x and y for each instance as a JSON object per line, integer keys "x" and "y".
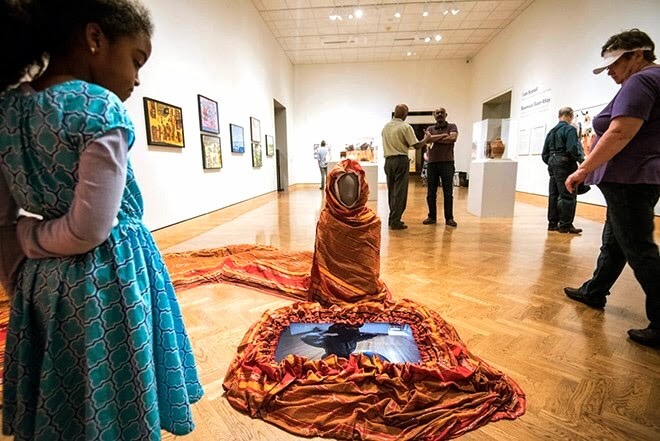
{"x": 209, "y": 120}
{"x": 164, "y": 123}
{"x": 211, "y": 151}
{"x": 270, "y": 145}
{"x": 255, "y": 130}
{"x": 237, "y": 138}
{"x": 257, "y": 155}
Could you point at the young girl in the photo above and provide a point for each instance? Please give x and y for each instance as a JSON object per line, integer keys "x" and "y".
{"x": 96, "y": 347}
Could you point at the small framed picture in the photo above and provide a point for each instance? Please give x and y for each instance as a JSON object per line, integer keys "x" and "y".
{"x": 257, "y": 160}
{"x": 270, "y": 145}
{"x": 211, "y": 151}
{"x": 208, "y": 115}
{"x": 237, "y": 138}
{"x": 164, "y": 123}
{"x": 255, "y": 130}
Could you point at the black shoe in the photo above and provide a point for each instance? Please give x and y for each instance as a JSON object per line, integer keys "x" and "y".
{"x": 428, "y": 221}
{"x": 569, "y": 229}
{"x": 451, "y": 223}
{"x": 647, "y": 337}
{"x": 593, "y": 301}
{"x": 398, "y": 226}
{"x": 552, "y": 227}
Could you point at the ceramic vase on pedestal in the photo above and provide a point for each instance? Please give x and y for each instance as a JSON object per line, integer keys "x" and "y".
{"x": 496, "y": 148}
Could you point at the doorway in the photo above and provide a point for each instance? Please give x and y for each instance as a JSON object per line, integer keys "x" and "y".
{"x": 281, "y": 150}
{"x": 419, "y": 120}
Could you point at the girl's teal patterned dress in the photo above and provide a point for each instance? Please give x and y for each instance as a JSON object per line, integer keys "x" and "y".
{"x": 96, "y": 348}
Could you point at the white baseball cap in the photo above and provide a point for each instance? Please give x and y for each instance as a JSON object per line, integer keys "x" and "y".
{"x": 610, "y": 57}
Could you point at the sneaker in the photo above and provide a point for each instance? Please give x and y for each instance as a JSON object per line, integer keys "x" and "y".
{"x": 592, "y": 301}
{"x": 647, "y": 337}
{"x": 569, "y": 229}
{"x": 398, "y": 226}
{"x": 428, "y": 221}
{"x": 552, "y": 227}
{"x": 451, "y": 223}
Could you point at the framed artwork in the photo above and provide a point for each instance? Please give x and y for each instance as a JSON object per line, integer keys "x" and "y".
{"x": 211, "y": 151}
{"x": 255, "y": 130}
{"x": 208, "y": 115}
{"x": 164, "y": 123}
{"x": 270, "y": 145}
{"x": 237, "y": 138}
{"x": 257, "y": 160}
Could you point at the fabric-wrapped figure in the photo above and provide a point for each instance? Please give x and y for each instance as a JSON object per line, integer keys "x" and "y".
{"x": 346, "y": 265}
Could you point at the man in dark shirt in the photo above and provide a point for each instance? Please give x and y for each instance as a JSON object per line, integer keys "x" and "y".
{"x": 441, "y": 167}
{"x": 561, "y": 152}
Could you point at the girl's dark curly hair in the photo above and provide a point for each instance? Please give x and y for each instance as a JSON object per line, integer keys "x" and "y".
{"x": 33, "y": 30}
{"x": 628, "y": 40}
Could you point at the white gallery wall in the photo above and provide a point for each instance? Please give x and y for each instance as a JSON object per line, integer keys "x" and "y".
{"x": 341, "y": 103}
{"x": 223, "y": 50}
{"x": 553, "y": 46}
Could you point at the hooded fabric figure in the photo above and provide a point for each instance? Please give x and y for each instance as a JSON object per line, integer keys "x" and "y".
{"x": 346, "y": 265}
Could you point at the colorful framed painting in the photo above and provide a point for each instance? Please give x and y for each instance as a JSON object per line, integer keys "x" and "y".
{"x": 257, "y": 158}
{"x": 164, "y": 123}
{"x": 211, "y": 151}
{"x": 208, "y": 115}
{"x": 255, "y": 130}
{"x": 270, "y": 145}
{"x": 237, "y": 138}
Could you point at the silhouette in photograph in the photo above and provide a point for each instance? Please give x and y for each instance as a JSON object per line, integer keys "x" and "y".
{"x": 389, "y": 342}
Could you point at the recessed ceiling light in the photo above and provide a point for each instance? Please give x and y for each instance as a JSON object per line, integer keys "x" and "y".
{"x": 397, "y": 14}
{"x": 427, "y": 39}
{"x": 359, "y": 13}
{"x": 438, "y": 37}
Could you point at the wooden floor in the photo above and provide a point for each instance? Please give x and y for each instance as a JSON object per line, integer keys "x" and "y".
{"x": 497, "y": 281}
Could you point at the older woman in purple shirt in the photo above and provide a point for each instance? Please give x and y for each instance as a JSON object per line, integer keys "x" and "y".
{"x": 625, "y": 164}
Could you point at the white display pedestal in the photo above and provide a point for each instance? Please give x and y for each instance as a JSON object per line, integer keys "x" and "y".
{"x": 492, "y": 190}
{"x": 371, "y": 173}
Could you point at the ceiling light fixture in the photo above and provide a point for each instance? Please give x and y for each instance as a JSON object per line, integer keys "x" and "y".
{"x": 359, "y": 13}
{"x": 438, "y": 37}
{"x": 425, "y": 12}
{"x": 427, "y": 39}
{"x": 397, "y": 12}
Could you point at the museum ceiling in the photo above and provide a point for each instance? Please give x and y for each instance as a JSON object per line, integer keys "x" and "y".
{"x": 332, "y": 31}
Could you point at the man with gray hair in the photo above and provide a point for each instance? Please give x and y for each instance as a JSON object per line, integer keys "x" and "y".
{"x": 398, "y": 138}
{"x": 561, "y": 152}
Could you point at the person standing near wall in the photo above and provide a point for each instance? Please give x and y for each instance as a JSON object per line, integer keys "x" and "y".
{"x": 96, "y": 344}
{"x": 561, "y": 153}
{"x": 322, "y": 158}
{"x": 625, "y": 165}
{"x": 441, "y": 167}
{"x": 398, "y": 138}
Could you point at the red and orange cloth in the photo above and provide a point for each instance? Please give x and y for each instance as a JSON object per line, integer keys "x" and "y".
{"x": 451, "y": 392}
{"x": 346, "y": 266}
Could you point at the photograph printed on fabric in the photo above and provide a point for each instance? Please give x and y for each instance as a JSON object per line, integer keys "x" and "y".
{"x": 389, "y": 342}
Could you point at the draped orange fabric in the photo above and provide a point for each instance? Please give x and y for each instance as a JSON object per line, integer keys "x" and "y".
{"x": 360, "y": 397}
{"x": 262, "y": 267}
{"x": 452, "y": 392}
{"x": 346, "y": 266}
